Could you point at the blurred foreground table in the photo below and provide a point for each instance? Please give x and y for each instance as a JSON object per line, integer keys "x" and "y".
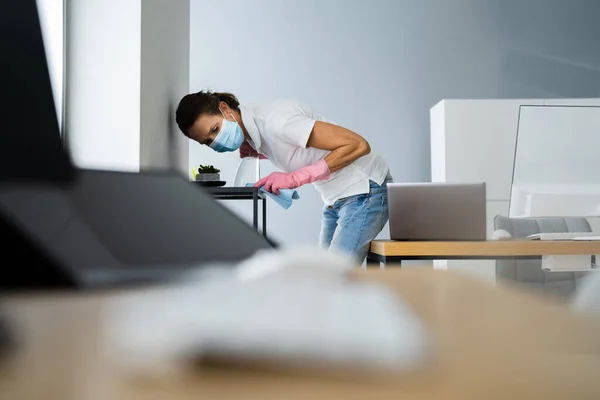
{"x": 490, "y": 343}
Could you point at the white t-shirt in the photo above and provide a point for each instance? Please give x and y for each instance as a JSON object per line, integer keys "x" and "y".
{"x": 280, "y": 130}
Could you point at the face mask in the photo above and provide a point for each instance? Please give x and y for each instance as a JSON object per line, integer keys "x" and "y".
{"x": 230, "y": 138}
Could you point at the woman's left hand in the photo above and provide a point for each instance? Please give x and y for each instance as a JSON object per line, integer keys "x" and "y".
{"x": 291, "y": 180}
{"x": 278, "y": 180}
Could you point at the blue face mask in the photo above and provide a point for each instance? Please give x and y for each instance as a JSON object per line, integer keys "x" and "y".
{"x": 230, "y": 138}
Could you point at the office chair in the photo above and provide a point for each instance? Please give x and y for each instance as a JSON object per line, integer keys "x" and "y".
{"x": 528, "y": 273}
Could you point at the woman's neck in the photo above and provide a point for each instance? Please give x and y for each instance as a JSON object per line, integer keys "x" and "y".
{"x": 240, "y": 121}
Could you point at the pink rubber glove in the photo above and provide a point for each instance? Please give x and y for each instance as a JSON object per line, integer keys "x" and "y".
{"x": 291, "y": 180}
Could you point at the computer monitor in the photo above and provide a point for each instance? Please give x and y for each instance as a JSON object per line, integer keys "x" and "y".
{"x": 555, "y": 200}
{"x": 555, "y": 171}
{"x": 30, "y": 143}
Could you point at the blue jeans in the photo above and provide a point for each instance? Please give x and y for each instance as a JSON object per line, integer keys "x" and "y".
{"x": 351, "y": 223}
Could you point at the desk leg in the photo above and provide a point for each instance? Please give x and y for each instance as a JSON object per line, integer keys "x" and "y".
{"x": 379, "y": 261}
{"x": 264, "y": 217}
{"x": 372, "y": 262}
{"x": 255, "y": 209}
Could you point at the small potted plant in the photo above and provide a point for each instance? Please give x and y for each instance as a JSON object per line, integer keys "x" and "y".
{"x": 208, "y": 173}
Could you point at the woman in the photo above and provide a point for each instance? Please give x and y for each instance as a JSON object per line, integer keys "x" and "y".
{"x": 309, "y": 149}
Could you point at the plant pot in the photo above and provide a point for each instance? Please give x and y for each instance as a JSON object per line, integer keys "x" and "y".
{"x": 208, "y": 177}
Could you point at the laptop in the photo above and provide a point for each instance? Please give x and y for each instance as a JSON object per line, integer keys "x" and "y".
{"x": 66, "y": 227}
{"x": 437, "y": 211}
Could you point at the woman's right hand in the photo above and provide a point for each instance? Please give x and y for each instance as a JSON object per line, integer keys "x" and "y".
{"x": 247, "y": 151}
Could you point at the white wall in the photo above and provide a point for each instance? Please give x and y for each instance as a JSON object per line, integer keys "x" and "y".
{"x": 378, "y": 67}
{"x": 103, "y": 90}
{"x": 165, "y": 78}
{"x": 128, "y": 66}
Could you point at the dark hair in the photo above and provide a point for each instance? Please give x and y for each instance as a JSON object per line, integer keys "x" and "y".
{"x": 194, "y": 105}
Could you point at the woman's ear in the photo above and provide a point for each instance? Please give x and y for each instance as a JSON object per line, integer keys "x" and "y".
{"x": 225, "y": 108}
{"x": 227, "y": 111}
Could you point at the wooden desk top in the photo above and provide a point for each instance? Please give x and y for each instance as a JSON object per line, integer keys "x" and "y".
{"x": 490, "y": 343}
{"x": 490, "y": 248}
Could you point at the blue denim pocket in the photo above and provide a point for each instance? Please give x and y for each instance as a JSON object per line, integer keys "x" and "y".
{"x": 358, "y": 198}
{"x": 375, "y": 188}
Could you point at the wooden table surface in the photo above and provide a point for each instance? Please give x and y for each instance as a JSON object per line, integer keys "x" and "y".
{"x": 489, "y": 343}
{"x": 489, "y": 248}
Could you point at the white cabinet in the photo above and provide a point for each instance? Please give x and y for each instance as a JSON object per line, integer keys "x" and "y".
{"x": 476, "y": 141}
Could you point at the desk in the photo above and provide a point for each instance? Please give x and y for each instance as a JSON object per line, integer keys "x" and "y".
{"x": 386, "y": 251}
{"x": 244, "y": 193}
{"x": 491, "y": 343}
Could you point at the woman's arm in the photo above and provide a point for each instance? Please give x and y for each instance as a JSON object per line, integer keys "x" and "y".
{"x": 345, "y": 145}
